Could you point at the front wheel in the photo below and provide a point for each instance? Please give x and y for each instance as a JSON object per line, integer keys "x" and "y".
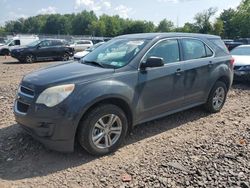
{"x": 103, "y": 129}
{"x": 65, "y": 57}
{"x": 30, "y": 58}
{"x": 217, "y": 97}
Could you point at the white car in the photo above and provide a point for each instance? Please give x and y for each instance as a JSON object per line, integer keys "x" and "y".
{"x": 241, "y": 55}
{"x": 81, "y": 45}
{"x": 81, "y": 54}
{"x": 17, "y": 41}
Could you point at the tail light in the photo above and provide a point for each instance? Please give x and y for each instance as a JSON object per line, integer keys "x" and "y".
{"x": 232, "y": 61}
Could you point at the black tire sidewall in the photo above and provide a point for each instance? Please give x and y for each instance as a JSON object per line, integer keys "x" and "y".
{"x": 5, "y": 52}
{"x": 86, "y": 126}
{"x": 209, "y": 105}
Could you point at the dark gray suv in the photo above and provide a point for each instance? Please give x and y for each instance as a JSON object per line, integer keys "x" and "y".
{"x": 127, "y": 81}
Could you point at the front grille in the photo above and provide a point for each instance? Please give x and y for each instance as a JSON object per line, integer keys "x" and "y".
{"x": 27, "y": 91}
{"x": 22, "y": 107}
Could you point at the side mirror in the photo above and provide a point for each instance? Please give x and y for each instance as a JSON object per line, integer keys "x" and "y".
{"x": 38, "y": 46}
{"x": 153, "y": 62}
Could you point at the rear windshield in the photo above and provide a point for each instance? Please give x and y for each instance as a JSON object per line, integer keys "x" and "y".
{"x": 220, "y": 44}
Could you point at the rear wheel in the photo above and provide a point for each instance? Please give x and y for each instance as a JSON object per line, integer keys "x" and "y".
{"x": 65, "y": 57}
{"x": 30, "y": 58}
{"x": 217, "y": 97}
{"x": 103, "y": 130}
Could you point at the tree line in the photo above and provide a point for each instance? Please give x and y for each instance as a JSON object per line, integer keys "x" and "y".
{"x": 231, "y": 23}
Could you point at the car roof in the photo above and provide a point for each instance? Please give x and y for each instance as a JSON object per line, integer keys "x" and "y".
{"x": 151, "y": 36}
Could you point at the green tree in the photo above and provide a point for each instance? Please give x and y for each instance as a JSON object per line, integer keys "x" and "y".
{"x": 218, "y": 27}
{"x": 165, "y": 26}
{"x": 241, "y": 19}
{"x": 81, "y": 24}
{"x": 229, "y": 30}
{"x": 202, "y": 20}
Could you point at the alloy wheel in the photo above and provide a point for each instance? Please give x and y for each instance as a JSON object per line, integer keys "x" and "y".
{"x": 219, "y": 97}
{"x": 107, "y": 130}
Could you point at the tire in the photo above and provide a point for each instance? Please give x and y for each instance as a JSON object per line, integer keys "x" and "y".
{"x": 217, "y": 97}
{"x": 30, "y": 58}
{"x": 93, "y": 129}
{"x": 5, "y": 52}
{"x": 65, "y": 57}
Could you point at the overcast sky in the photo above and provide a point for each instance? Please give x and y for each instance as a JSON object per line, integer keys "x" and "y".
{"x": 178, "y": 11}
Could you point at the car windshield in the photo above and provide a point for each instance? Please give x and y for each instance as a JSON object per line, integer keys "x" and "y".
{"x": 241, "y": 51}
{"x": 116, "y": 53}
{"x": 7, "y": 42}
{"x": 34, "y": 43}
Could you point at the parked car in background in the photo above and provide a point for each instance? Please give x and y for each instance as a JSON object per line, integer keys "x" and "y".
{"x": 81, "y": 54}
{"x": 241, "y": 55}
{"x": 81, "y": 45}
{"x": 129, "y": 80}
{"x": 46, "y": 49}
{"x": 231, "y": 44}
{"x": 19, "y": 40}
{"x": 243, "y": 40}
{"x": 95, "y": 41}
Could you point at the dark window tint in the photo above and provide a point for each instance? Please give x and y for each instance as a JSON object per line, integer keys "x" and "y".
{"x": 167, "y": 49}
{"x": 193, "y": 49}
{"x": 46, "y": 43}
{"x": 17, "y": 42}
{"x": 57, "y": 43}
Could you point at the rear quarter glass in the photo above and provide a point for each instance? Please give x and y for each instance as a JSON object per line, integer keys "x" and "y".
{"x": 219, "y": 44}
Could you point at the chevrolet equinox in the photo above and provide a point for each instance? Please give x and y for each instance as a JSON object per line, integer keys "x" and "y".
{"x": 127, "y": 81}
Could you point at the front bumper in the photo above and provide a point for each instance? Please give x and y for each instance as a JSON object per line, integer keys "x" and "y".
{"x": 240, "y": 75}
{"x": 16, "y": 55}
{"x": 53, "y": 127}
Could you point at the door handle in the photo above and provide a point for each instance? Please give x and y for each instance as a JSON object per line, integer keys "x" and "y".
{"x": 210, "y": 64}
{"x": 178, "y": 72}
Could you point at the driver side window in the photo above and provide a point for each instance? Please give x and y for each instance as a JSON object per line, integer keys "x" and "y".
{"x": 167, "y": 49}
{"x": 45, "y": 43}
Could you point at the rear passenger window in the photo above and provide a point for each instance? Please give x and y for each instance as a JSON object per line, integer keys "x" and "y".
{"x": 193, "y": 49}
{"x": 167, "y": 49}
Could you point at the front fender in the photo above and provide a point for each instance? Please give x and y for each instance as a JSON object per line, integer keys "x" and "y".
{"x": 92, "y": 93}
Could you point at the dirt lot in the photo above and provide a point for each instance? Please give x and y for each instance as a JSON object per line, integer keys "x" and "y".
{"x": 187, "y": 149}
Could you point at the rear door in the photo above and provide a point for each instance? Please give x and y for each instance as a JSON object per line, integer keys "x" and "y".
{"x": 197, "y": 66}
{"x": 161, "y": 88}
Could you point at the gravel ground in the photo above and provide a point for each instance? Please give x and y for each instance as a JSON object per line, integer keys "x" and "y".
{"x": 187, "y": 149}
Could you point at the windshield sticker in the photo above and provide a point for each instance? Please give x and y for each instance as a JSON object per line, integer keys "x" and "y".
{"x": 136, "y": 42}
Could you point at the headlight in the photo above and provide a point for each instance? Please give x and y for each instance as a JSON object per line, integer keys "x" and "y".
{"x": 54, "y": 95}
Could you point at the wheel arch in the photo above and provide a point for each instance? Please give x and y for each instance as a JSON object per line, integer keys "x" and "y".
{"x": 115, "y": 100}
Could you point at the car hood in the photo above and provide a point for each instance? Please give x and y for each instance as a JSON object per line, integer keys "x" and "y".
{"x": 241, "y": 60}
{"x": 81, "y": 54}
{"x": 69, "y": 72}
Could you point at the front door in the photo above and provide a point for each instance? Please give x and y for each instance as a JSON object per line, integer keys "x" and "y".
{"x": 45, "y": 50}
{"x": 161, "y": 88}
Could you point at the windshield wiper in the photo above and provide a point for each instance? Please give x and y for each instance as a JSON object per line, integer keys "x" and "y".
{"x": 93, "y": 63}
